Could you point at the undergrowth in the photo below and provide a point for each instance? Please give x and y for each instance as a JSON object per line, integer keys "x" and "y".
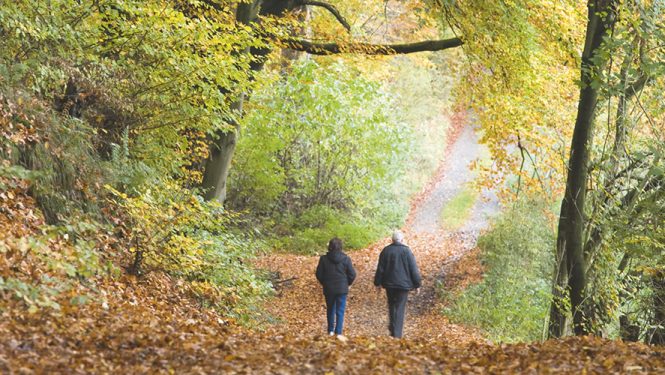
{"x": 312, "y": 164}
{"x": 512, "y": 301}
{"x": 73, "y": 221}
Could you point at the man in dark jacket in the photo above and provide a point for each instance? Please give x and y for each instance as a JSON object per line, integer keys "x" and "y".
{"x": 335, "y": 272}
{"x": 398, "y": 273}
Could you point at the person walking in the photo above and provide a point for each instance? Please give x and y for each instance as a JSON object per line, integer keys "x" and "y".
{"x": 335, "y": 273}
{"x": 398, "y": 273}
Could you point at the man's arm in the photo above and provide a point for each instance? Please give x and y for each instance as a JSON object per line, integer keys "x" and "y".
{"x": 413, "y": 270}
{"x": 319, "y": 271}
{"x": 378, "y": 276}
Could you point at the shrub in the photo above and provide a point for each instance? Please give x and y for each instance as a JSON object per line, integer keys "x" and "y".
{"x": 320, "y": 136}
{"x": 512, "y": 302}
{"x": 317, "y": 159}
{"x": 177, "y": 231}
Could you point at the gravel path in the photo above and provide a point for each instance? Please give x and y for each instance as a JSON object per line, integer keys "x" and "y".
{"x": 456, "y": 174}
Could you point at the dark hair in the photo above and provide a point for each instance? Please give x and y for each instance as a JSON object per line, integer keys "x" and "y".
{"x": 335, "y": 245}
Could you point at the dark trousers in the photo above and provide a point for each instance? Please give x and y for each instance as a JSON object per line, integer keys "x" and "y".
{"x": 335, "y": 306}
{"x": 396, "y": 310}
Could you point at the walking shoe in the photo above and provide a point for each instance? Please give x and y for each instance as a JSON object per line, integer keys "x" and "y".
{"x": 342, "y": 338}
{"x": 331, "y": 333}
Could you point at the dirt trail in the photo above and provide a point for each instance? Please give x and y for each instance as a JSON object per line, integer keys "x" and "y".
{"x": 300, "y": 303}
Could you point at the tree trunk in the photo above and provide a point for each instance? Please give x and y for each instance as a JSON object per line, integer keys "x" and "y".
{"x": 558, "y": 320}
{"x": 221, "y": 150}
{"x": 219, "y": 161}
{"x": 657, "y": 334}
{"x": 570, "y": 239}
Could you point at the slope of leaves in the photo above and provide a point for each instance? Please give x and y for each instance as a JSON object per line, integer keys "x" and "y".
{"x": 151, "y": 325}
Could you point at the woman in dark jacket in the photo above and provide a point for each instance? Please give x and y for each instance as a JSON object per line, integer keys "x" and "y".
{"x": 335, "y": 272}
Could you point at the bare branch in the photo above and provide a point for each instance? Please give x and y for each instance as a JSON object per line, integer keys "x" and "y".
{"x": 330, "y": 8}
{"x": 315, "y": 48}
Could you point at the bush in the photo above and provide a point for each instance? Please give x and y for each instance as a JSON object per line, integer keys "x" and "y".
{"x": 310, "y": 232}
{"x": 512, "y": 302}
{"x": 317, "y": 156}
{"x": 177, "y": 231}
{"x": 320, "y": 136}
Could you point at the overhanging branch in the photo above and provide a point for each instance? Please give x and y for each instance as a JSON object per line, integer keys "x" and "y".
{"x": 315, "y": 48}
{"x": 330, "y": 8}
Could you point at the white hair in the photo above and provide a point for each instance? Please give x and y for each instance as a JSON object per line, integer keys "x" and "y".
{"x": 398, "y": 236}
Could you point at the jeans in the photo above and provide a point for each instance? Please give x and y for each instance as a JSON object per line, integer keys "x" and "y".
{"x": 335, "y": 305}
{"x": 396, "y": 310}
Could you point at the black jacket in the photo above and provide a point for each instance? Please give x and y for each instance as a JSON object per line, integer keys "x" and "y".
{"x": 335, "y": 272}
{"x": 397, "y": 268}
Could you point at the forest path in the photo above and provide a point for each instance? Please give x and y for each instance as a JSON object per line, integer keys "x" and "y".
{"x": 300, "y": 304}
{"x": 151, "y": 325}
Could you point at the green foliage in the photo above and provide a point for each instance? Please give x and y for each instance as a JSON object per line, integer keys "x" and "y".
{"x": 310, "y": 232}
{"x": 177, "y": 231}
{"x": 152, "y": 75}
{"x": 68, "y": 261}
{"x": 422, "y": 86}
{"x": 124, "y": 94}
{"x": 323, "y": 134}
{"x": 10, "y": 174}
{"x": 321, "y": 153}
{"x": 512, "y": 302}
{"x": 34, "y": 296}
{"x": 628, "y": 265}
{"x": 624, "y": 246}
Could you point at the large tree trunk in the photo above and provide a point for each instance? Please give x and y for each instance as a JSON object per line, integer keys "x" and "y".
{"x": 219, "y": 161}
{"x": 221, "y": 150}
{"x": 558, "y": 321}
{"x": 570, "y": 240}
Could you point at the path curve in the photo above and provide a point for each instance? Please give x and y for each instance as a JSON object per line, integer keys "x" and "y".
{"x": 300, "y": 304}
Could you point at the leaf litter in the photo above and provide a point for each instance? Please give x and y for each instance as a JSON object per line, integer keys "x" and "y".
{"x": 152, "y": 324}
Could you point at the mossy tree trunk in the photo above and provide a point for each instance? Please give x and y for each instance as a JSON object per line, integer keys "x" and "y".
{"x": 570, "y": 238}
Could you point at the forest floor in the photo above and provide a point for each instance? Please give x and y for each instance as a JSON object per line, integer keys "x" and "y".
{"x": 150, "y": 325}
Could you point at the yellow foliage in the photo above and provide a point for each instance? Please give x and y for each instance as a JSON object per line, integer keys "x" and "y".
{"x": 520, "y": 82}
{"x": 161, "y": 222}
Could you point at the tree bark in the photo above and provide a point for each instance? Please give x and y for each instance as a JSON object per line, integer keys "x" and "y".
{"x": 657, "y": 334}
{"x": 559, "y": 319}
{"x": 570, "y": 239}
{"x": 314, "y": 48}
{"x": 330, "y": 8}
{"x": 219, "y": 160}
{"x": 221, "y": 150}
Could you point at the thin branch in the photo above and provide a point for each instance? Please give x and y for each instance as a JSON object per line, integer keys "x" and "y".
{"x": 330, "y": 8}
{"x": 284, "y": 281}
{"x": 646, "y": 113}
{"x": 519, "y": 175}
{"x": 524, "y": 150}
{"x": 315, "y": 48}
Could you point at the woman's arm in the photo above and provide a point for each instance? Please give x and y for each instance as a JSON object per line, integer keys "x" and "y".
{"x": 350, "y": 271}
{"x": 319, "y": 271}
